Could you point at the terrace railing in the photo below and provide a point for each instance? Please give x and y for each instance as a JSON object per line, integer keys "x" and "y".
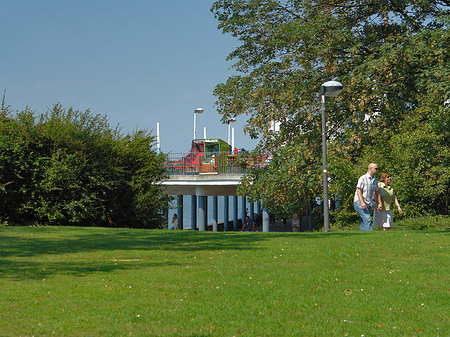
{"x": 213, "y": 163}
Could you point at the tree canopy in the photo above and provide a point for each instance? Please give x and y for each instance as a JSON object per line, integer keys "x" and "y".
{"x": 393, "y": 59}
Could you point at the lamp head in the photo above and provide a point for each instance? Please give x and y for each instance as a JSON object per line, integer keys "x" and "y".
{"x": 199, "y": 110}
{"x": 331, "y": 88}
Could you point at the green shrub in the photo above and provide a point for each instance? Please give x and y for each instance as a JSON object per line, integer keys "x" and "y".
{"x": 67, "y": 167}
{"x": 424, "y": 223}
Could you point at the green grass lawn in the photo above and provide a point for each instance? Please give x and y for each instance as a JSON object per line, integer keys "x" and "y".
{"x": 71, "y": 281}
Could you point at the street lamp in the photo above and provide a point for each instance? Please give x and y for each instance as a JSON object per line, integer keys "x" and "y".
{"x": 197, "y": 111}
{"x": 229, "y": 121}
{"x": 329, "y": 89}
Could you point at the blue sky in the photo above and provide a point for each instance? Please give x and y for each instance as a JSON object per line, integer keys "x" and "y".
{"x": 138, "y": 62}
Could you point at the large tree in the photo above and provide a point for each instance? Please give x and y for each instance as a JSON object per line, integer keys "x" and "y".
{"x": 393, "y": 59}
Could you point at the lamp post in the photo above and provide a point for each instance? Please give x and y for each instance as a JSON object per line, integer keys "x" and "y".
{"x": 197, "y": 111}
{"x": 158, "y": 140}
{"x": 329, "y": 89}
{"x": 229, "y": 121}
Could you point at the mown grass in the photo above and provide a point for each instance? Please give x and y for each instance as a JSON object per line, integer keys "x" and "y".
{"x": 69, "y": 281}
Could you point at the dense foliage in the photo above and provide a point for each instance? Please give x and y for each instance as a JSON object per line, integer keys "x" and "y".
{"x": 394, "y": 62}
{"x": 67, "y": 167}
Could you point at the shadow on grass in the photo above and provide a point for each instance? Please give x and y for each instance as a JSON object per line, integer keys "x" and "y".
{"x": 21, "y": 270}
{"x": 24, "y": 250}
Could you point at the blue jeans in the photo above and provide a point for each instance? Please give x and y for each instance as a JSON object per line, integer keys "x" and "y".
{"x": 366, "y": 219}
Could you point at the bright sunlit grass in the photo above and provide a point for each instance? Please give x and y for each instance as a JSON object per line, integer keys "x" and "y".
{"x": 69, "y": 281}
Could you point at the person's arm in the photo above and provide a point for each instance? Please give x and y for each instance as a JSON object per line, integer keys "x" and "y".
{"x": 360, "y": 197}
{"x": 378, "y": 196}
{"x": 394, "y": 198}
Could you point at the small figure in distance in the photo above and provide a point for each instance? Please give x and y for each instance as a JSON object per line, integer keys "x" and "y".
{"x": 175, "y": 221}
{"x": 249, "y": 225}
{"x": 295, "y": 223}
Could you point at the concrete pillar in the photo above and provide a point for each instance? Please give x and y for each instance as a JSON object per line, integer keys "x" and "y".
{"x": 180, "y": 210}
{"x": 234, "y": 209}
{"x": 206, "y": 213}
{"x": 214, "y": 213}
{"x": 251, "y": 210}
{"x": 202, "y": 213}
{"x": 225, "y": 213}
{"x": 258, "y": 208}
{"x": 266, "y": 220}
{"x": 193, "y": 212}
{"x": 168, "y": 220}
{"x": 243, "y": 209}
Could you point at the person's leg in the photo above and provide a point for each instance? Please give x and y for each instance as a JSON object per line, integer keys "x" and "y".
{"x": 366, "y": 219}
{"x": 389, "y": 223}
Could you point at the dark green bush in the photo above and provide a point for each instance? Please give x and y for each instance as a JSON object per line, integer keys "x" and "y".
{"x": 67, "y": 167}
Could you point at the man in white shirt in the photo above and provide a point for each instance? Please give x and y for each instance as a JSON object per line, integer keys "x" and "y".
{"x": 364, "y": 195}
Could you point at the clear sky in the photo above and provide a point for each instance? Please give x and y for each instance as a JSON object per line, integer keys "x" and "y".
{"x": 138, "y": 62}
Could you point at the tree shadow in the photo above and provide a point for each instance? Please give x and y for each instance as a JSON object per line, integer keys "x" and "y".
{"x": 22, "y": 247}
{"x": 21, "y": 270}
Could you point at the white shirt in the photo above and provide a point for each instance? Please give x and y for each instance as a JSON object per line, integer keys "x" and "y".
{"x": 368, "y": 186}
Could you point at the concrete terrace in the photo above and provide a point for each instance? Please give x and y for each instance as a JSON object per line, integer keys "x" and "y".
{"x": 208, "y": 184}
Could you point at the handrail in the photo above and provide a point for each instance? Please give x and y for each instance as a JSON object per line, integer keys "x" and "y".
{"x": 213, "y": 163}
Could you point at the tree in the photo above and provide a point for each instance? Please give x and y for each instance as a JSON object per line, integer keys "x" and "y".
{"x": 391, "y": 56}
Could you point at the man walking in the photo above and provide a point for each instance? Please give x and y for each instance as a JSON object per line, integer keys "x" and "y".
{"x": 364, "y": 195}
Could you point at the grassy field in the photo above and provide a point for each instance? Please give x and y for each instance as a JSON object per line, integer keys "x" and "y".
{"x": 70, "y": 281}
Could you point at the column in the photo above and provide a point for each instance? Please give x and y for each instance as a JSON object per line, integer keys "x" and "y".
{"x": 214, "y": 213}
{"x": 251, "y": 210}
{"x": 193, "y": 212}
{"x": 243, "y": 209}
{"x": 258, "y": 208}
{"x": 180, "y": 210}
{"x": 225, "y": 213}
{"x": 234, "y": 209}
{"x": 202, "y": 213}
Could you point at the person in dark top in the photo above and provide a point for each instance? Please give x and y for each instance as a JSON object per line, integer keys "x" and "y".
{"x": 249, "y": 225}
